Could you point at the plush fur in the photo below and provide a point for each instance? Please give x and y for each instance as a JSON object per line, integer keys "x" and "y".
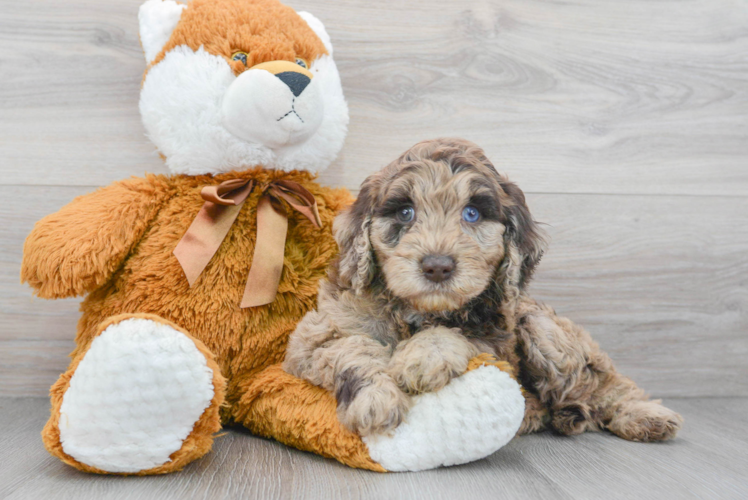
{"x": 194, "y": 446}
{"x": 115, "y": 245}
{"x": 439, "y": 432}
{"x": 384, "y": 331}
{"x": 209, "y": 113}
{"x": 234, "y": 89}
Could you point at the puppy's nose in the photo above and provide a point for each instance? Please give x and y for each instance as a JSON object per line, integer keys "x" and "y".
{"x": 295, "y": 81}
{"x": 437, "y": 268}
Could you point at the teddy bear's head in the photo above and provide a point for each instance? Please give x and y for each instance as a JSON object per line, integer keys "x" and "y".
{"x": 232, "y": 84}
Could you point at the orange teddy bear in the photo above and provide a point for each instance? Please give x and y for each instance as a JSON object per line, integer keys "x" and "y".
{"x": 194, "y": 281}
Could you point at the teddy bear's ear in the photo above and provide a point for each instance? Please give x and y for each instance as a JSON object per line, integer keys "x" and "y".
{"x": 318, "y": 28}
{"x": 157, "y": 20}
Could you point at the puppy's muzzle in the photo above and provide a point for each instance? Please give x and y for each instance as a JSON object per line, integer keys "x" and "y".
{"x": 437, "y": 268}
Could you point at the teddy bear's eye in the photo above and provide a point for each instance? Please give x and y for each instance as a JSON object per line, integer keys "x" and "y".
{"x": 240, "y": 56}
{"x": 302, "y": 63}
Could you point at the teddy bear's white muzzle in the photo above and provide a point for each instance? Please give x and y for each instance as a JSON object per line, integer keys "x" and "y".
{"x": 274, "y": 110}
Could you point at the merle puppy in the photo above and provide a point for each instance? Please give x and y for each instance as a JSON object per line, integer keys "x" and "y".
{"x": 435, "y": 255}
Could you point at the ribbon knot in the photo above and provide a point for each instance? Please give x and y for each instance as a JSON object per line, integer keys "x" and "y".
{"x": 221, "y": 208}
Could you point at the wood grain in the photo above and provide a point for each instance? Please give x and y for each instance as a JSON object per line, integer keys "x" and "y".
{"x": 659, "y": 281}
{"x": 625, "y": 122}
{"x": 707, "y": 460}
{"x": 584, "y": 96}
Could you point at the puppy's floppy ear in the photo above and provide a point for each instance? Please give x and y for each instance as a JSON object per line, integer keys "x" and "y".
{"x": 356, "y": 264}
{"x": 524, "y": 241}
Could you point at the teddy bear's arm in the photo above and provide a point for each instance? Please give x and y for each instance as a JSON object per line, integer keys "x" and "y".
{"x": 77, "y": 249}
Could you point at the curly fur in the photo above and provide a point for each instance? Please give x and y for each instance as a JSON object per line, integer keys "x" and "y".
{"x": 382, "y": 330}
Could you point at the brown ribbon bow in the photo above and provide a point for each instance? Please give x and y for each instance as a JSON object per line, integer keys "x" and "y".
{"x": 221, "y": 208}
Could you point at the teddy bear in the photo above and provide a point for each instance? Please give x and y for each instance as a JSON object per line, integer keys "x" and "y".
{"x": 195, "y": 280}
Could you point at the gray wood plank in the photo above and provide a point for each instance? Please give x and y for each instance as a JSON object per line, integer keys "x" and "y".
{"x": 708, "y": 460}
{"x": 29, "y": 367}
{"x": 658, "y": 281}
{"x": 23, "y": 316}
{"x": 69, "y": 93}
{"x": 584, "y": 96}
{"x": 584, "y": 103}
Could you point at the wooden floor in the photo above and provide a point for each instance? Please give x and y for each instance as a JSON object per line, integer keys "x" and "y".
{"x": 626, "y": 124}
{"x": 708, "y": 461}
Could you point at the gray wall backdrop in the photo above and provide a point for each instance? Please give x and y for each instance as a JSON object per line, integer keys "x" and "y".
{"x": 626, "y": 124}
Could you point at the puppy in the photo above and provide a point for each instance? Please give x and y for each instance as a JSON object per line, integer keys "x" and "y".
{"x": 435, "y": 256}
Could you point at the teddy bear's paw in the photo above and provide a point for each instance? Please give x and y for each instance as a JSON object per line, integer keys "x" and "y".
{"x": 135, "y": 397}
{"x": 470, "y": 418}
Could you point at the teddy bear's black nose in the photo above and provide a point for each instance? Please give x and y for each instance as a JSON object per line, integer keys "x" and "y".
{"x": 437, "y": 268}
{"x": 295, "y": 81}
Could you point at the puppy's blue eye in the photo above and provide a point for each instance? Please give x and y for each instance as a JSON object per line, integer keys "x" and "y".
{"x": 405, "y": 214}
{"x": 470, "y": 214}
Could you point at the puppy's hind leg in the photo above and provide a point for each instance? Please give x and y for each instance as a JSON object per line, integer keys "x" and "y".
{"x": 580, "y": 385}
{"x": 536, "y": 417}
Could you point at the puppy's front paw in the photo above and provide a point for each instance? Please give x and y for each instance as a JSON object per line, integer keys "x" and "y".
{"x": 374, "y": 407}
{"x": 645, "y": 421}
{"x": 430, "y": 359}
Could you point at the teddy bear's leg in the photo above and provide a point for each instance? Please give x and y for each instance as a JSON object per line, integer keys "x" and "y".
{"x": 469, "y": 419}
{"x": 472, "y": 417}
{"x": 142, "y": 399}
{"x": 277, "y": 405}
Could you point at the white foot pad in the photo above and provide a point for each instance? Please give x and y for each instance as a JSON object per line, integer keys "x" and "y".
{"x": 135, "y": 397}
{"x": 469, "y": 419}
